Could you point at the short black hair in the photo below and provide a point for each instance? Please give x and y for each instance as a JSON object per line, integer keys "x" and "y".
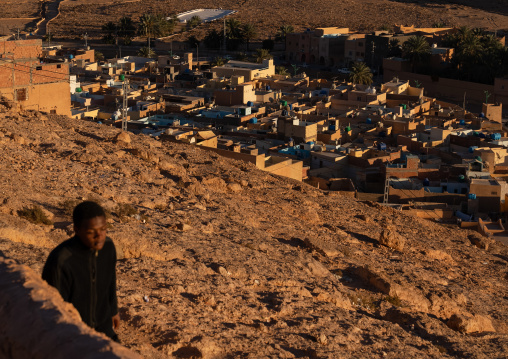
{"x": 85, "y": 211}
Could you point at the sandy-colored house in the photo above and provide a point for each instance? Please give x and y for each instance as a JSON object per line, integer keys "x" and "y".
{"x": 33, "y": 84}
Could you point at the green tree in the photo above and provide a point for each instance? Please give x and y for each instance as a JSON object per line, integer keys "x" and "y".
{"x": 154, "y": 25}
{"x": 234, "y": 34}
{"x": 416, "y": 49}
{"x": 99, "y": 56}
{"x": 218, "y": 61}
{"x": 126, "y": 29}
{"x": 360, "y": 74}
{"x": 249, "y": 32}
{"x": 283, "y": 32}
{"x": 193, "y": 22}
{"x": 268, "y": 44}
{"x": 281, "y": 70}
{"x": 394, "y": 48}
{"x": 192, "y": 41}
{"x": 213, "y": 40}
{"x": 241, "y": 56}
{"x": 109, "y": 32}
{"x": 262, "y": 54}
{"x": 147, "y": 52}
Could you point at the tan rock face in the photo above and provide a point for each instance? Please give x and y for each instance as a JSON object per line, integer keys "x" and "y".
{"x": 268, "y": 271}
{"x": 28, "y": 299}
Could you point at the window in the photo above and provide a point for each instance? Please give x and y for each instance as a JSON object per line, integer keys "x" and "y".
{"x": 38, "y": 68}
{"x": 360, "y": 44}
{"x": 358, "y": 98}
{"x": 167, "y": 62}
{"x": 58, "y": 66}
{"x": 21, "y": 95}
{"x": 494, "y": 193}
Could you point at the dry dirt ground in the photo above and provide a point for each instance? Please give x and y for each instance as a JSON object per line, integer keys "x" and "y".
{"x": 80, "y": 16}
{"x": 221, "y": 260}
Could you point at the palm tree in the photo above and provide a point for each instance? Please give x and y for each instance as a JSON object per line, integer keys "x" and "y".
{"x": 262, "y": 54}
{"x": 234, "y": 32}
{"x": 282, "y": 33}
{"x": 281, "y": 70}
{"x": 147, "y": 26}
{"x": 416, "y": 49}
{"x": 360, "y": 74}
{"x": 218, "y": 61}
{"x": 147, "y": 52}
{"x": 99, "y": 56}
{"x": 249, "y": 32}
{"x": 154, "y": 25}
{"x": 109, "y": 31}
{"x": 126, "y": 29}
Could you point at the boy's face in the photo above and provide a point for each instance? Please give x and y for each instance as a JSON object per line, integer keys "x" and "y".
{"x": 92, "y": 232}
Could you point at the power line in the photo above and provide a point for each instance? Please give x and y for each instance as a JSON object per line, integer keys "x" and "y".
{"x": 29, "y": 72}
{"x": 31, "y": 67}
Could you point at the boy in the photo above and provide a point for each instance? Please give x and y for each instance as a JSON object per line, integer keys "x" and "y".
{"x": 83, "y": 270}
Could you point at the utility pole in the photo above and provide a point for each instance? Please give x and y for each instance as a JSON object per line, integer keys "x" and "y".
{"x": 197, "y": 55}
{"x": 224, "y": 34}
{"x": 86, "y": 40}
{"x": 125, "y": 88}
{"x": 18, "y": 34}
{"x": 372, "y": 52}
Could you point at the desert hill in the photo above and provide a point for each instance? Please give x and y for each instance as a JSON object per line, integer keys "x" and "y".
{"x": 221, "y": 260}
{"x": 87, "y": 16}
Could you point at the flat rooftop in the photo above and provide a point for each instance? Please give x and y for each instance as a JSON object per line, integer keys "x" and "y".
{"x": 206, "y": 15}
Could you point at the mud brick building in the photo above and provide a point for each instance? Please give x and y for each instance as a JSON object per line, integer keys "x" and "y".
{"x": 34, "y": 84}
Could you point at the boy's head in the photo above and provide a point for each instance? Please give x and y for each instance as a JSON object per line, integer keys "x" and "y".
{"x": 90, "y": 224}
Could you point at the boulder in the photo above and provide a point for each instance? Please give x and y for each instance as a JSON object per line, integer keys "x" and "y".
{"x": 391, "y": 239}
{"x": 470, "y": 324}
{"x": 123, "y": 137}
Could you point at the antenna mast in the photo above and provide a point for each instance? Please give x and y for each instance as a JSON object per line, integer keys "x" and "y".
{"x": 125, "y": 88}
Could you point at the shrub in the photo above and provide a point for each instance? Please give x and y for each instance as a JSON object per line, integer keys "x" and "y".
{"x": 67, "y": 206}
{"x": 394, "y": 300}
{"x": 125, "y": 210}
{"x": 34, "y": 214}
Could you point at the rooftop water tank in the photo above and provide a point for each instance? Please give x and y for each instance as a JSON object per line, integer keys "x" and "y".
{"x": 462, "y": 122}
{"x": 426, "y": 182}
{"x": 284, "y": 103}
{"x": 482, "y": 135}
{"x": 284, "y": 113}
{"x": 481, "y": 115}
{"x": 253, "y": 120}
{"x": 369, "y": 120}
{"x": 122, "y": 77}
{"x": 381, "y": 146}
{"x": 267, "y": 88}
{"x": 78, "y": 89}
{"x": 462, "y": 178}
{"x": 348, "y": 128}
{"x": 471, "y": 196}
{"x": 495, "y": 136}
{"x": 250, "y": 103}
{"x": 71, "y": 57}
{"x": 331, "y": 128}
{"x": 478, "y": 158}
{"x": 472, "y": 148}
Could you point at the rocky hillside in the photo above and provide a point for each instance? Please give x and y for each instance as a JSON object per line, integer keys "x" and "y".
{"x": 220, "y": 260}
{"x": 78, "y": 17}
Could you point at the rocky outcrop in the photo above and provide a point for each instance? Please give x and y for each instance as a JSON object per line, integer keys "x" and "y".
{"x": 35, "y": 321}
